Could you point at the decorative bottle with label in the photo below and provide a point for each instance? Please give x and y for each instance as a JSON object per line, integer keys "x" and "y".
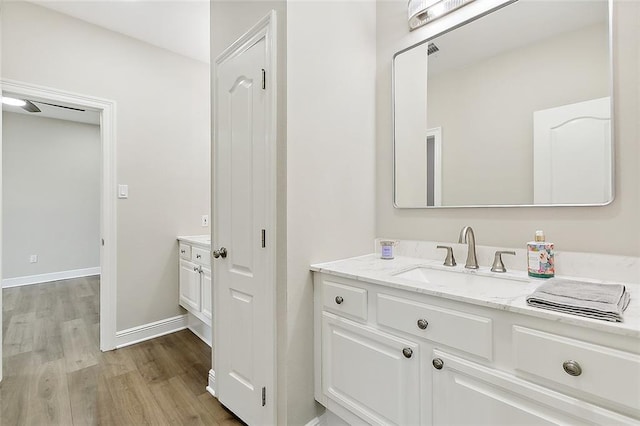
{"x": 540, "y": 257}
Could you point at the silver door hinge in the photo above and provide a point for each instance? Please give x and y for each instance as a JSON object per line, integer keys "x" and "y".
{"x": 264, "y": 238}
{"x": 264, "y": 79}
{"x": 264, "y": 396}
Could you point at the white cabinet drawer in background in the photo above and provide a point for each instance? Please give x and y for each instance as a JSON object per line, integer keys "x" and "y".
{"x": 185, "y": 251}
{"x": 606, "y": 373}
{"x": 200, "y": 256}
{"x": 345, "y": 299}
{"x": 459, "y": 330}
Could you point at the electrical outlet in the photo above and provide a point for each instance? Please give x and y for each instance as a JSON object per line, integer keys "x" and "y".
{"x": 205, "y": 220}
{"x": 33, "y": 258}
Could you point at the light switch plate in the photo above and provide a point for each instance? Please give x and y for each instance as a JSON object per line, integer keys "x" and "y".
{"x": 205, "y": 220}
{"x": 123, "y": 191}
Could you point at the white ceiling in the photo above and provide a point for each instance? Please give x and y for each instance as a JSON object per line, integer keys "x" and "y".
{"x": 181, "y": 26}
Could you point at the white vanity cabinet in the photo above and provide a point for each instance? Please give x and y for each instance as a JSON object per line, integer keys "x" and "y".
{"x": 386, "y": 355}
{"x": 195, "y": 284}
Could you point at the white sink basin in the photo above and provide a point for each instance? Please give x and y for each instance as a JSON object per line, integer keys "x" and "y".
{"x": 428, "y": 275}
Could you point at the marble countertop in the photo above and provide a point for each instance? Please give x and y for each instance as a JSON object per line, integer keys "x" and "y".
{"x": 197, "y": 240}
{"x": 508, "y": 292}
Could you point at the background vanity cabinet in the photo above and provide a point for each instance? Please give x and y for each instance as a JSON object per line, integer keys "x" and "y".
{"x": 386, "y": 355}
{"x": 195, "y": 284}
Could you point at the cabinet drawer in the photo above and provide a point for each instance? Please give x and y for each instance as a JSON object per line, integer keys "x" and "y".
{"x": 200, "y": 256}
{"x": 185, "y": 251}
{"x": 597, "y": 370}
{"x": 345, "y": 299}
{"x": 469, "y": 333}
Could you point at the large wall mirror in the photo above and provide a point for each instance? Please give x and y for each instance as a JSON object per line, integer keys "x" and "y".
{"x": 510, "y": 109}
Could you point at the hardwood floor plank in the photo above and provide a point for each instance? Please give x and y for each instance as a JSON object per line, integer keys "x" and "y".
{"x": 10, "y": 298}
{"x": 48, "y": 400}
{"x": 116, "y": 362}
{"x": 19, "y": 336}
{"x": 47, "y": 340}
{"x": 134, "y": 401}
{"x": 83, "y": 394}
{"x": 14, "y": 389}
{"x": 179, "y": 405}
{"x": 79, "y": 352}
{"x": 222, "y": 415}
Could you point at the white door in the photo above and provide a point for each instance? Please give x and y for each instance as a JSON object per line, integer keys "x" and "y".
{"x": 243, "y": 194}
{"x": 190, "y": 285}
{"x": 572, "y": 153}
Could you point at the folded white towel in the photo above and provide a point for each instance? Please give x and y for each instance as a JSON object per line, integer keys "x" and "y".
{"x": 600, "y": 301}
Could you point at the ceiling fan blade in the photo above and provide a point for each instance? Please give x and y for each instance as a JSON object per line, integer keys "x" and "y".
{"x": 30, "y": 107}
{"x": 61, "y": 106}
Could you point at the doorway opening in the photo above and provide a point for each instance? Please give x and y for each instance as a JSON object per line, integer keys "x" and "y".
{"x": 102, "y": 113}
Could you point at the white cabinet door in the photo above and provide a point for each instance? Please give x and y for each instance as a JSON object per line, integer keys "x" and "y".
{"x": 206, "y": 293}
{"x": 190, "y": 297}
{"x": 465, "y": 393}
{"x": 372, "y": 374}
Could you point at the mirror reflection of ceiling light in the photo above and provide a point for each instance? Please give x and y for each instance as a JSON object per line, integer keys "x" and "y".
{"x": 422, "y": 12}
{"x": 13, "y": 101}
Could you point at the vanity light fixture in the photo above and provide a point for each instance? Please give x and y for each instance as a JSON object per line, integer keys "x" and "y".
{"x": 422, "y": 12}
{"x": 22, "y": 103}
{"x": 13, "y": 101}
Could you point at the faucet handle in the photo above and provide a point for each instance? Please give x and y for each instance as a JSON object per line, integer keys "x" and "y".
{"x": 498, "y": 266}
{"x": 449, "y": 260}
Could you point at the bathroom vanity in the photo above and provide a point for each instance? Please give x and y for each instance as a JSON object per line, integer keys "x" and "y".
{"x": 409, "y": 341}
{"x": 195, "y": 283}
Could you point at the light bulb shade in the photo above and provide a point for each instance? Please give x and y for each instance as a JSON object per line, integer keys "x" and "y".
{"x": 13, "y": 101}
{"x": 422, "y": 12}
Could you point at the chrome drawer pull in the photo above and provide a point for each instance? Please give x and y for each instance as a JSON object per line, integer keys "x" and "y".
{"x": 339, "y": 300}
{"x": 437, "y": 363}
{"x": 183, "y": 251}
{"x": 423, "y": 324}
{"x": 407, "y": 352}
{"x": 572, "y": 368}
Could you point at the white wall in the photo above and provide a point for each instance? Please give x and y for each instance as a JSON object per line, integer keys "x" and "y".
{"x": 51, "y": 177}
{"x": 331, "y": 58}
{"x": 613, "y": 229}
{"x": 162, "y": 139}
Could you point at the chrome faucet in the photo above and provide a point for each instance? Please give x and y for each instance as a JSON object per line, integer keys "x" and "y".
{"x": 467, "y": 236}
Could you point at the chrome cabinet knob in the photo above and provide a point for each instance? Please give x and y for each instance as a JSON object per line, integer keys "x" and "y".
{"x": 572, "y": 368}
{"x": 437, "y": 363}
{"x": 339, "y": 300}
{"x": 183, "y": 251}
{"x": 198, "y": 256}
{"x": 195, "y": 269}
{"x": 423, "y": 324}
{"x": 407, "y": 352}
{"x": 220, "y": 253}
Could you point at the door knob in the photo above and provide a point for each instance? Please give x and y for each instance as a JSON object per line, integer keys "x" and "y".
{"x": 220, "y": 253}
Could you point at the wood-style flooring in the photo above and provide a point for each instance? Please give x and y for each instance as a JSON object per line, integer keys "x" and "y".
{"x": 55, "y": 374}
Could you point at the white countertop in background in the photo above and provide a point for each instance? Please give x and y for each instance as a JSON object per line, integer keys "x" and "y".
{"x": 503, "y": 294}
{"x": 197, "y": 240}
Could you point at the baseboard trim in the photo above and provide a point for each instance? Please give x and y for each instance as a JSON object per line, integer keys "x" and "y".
{"x": 149, "y": 331}
{"x": 211, "y": 388}
{"x": 52, "y": 276}
{"x": 316, "y": 421}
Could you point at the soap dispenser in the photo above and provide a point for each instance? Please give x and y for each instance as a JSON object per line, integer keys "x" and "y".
{"x": 540, "y": 257}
